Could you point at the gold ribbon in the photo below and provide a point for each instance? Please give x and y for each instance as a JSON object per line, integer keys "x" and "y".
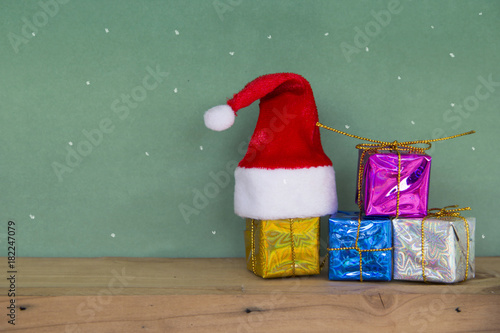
{"x": 252, "y": 241}
{"x": 443, "y": 213}
{"x": 323, "y": 262}
{"x": 398, "y": 147}
{"x": 292, "y": 245}
{"x": 408, "y": 144}
{"x": 360, "y": 251}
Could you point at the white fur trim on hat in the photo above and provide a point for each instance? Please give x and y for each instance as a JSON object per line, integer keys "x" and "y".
{"x": 266, "y": 194}
{"x": 219, "y": 118}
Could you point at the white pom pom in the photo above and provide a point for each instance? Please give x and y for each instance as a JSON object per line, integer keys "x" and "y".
{"x": 219, "y": 118}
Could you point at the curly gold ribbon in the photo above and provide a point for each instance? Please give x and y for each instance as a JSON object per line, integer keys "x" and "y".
{"x": 360, "y": 251}
{"x": 398, "y": 147}
{"x": 441, "y": 213}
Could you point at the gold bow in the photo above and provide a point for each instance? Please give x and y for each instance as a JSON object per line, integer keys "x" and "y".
{"x": 454, "y": 212}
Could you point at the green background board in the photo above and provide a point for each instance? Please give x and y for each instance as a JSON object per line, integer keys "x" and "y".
{"x": 94, "y": 164}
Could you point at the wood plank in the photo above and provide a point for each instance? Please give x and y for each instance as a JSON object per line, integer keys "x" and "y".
{"x": 260, "y": 313}
{"x": 220, "y": 295}
{"x": 167, "y": 276}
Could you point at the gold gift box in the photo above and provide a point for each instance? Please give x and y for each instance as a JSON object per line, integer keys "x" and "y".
{"x": 270, "y": 252}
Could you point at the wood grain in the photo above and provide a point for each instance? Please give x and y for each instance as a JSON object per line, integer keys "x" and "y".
{"x": 220, "y": 295}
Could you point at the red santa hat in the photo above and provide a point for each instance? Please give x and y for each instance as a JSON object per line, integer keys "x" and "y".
{"x": 285, "y": 173}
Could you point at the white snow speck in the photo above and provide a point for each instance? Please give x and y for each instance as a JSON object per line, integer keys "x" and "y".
{"x": 347, "y": 126}
{"x": 452, "y": 55}
{"x": 481, "y": 13}
{"x": 113, "y": 235}
{"x": 87, "y": 83}
{"x": 432, "y": 27}
{"x": 399, "y": 77}
{"x": 106, "y": 30}
{"x": 231, "y": 53}
{"x": 412, "y": 122}
{"x": 147, "y": 154}
{"x": 213, "y": 232}
{"x": 452, "y": 104}
{"x": 32, "y": 216}
{"x": 367, "y": 49}
{"x": 176, "y": 32}
{"x": 326, "y": 33}
{"x": 70, "y": 143}
{"x": 284, "y": 181}
{"x": 473, "y": 148}
{"x": 33, "y": 34}
{"x": 269, "y": 37}
{"x": 483, "y": 236}
{"x": 175, "y": 90}
{"x": 201, "y": 147}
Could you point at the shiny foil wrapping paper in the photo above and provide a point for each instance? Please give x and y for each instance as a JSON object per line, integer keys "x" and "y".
{"x": 274, "y": 255}
{"x": 380, "y": 179}
{"x": 445, "y": 249}
{"x": 375, "y": 233}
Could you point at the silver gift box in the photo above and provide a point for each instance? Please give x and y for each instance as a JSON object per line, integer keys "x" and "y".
{"x": 445, "y": 249}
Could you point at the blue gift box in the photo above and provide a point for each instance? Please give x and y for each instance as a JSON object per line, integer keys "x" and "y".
{"x": 372, "y": 248}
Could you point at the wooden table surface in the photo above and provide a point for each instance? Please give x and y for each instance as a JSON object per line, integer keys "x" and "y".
{"x": 220, "y": 295}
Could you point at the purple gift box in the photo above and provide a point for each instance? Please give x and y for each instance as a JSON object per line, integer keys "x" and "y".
{"x": 379, "y": 190}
